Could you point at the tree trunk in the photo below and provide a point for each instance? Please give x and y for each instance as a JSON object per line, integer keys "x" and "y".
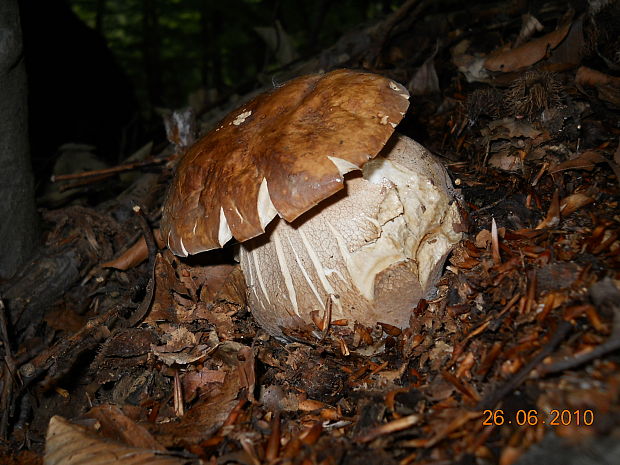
{"x": 18, "y": 220}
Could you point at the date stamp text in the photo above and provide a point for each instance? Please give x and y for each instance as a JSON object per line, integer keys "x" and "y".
{"x": 533, "y": 417}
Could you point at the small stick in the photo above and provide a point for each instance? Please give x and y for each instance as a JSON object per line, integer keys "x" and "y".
{"x": 107, "y": 171}
{"x": 66, "y": 350}
{"x": 83, "y": 182}
{"x": 327, "y": 317}
{"x": 151, "y": 245}
{"x": 6, "y": 376}
{"x": 4, "y": 335}
{"x": 487, "y": 207}
{"x": 513, "y": 383}
{"x": 610, "y": 345}
{"x": 605, "y": 294}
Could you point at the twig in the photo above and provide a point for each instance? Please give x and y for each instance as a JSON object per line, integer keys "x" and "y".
{"x": 7, "y": 375}
{"x": 604, "y": 294}
{"x": 612, "y": 344}
{"x": 4, "y": 335}
{"x": 66, "y": 349}
{"x": 108, "y": 171}
{"x": 459, "y": 347}
{"x": 327, "y": 317}
{"x": 513, "y": 383}
{"x": 487, "y": 207}
{"x": 144, "y": 306}
{"x": 84, "y": 182}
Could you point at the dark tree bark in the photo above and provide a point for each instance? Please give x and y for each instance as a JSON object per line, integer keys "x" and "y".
{"x": 18, "y": 221}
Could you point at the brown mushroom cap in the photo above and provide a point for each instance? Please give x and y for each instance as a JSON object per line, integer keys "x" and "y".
{"x": 281, "y": 153}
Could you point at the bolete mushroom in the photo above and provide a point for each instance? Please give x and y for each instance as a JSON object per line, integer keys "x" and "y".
{"x": 373, "y": 245}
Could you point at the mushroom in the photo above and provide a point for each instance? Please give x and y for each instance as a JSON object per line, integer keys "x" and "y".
{"x": 370, "y": 247}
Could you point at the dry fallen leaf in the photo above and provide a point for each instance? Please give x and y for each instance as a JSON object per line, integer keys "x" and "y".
{"x": 526, "y": 54}
{"x": 69, "y": 444}
{"x": 608, "y": 87}
{"x": 425, "y": 80}
{"x": 506, "y": 161}
{"x": 115, "y": 424}
{"x": 590, "y": 77}
{"x": 247, "y": 373}
{"x": 553, "y": 214}
{"x": 509, "y": 128}
{"x": 182, "y": 347}
{"x": 574, "y": 202}
{"x": 167, "y": 287}
{"x": 193, "y": 381}
{"x": 483, "y": 238}
{"x": 584, "y": 161}
{"x": 204, "y": 417}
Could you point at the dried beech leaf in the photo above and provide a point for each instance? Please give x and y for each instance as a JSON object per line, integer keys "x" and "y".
{"x": 574, "y": 202}
{"x": 218, "y": 315}
{"x": 69, "y": 444}
{"x": 608, "y": 87}
{"x": 590, "y": 77}
{"x": 585, "y": 161}
{"x": 204, "y": 417}
{"x": 425, "y": 80}
{"x": 483, "y": 239}
{"x": 163, "y": 306}
{"x": 509, "y": 128}
{"x": 200, "y": 382}
{"x": 553, "y": 214}
{"x": 506, "y": 161}
{"x": 220, "y": 282}
{"x": 247, "y": 372}
{"x": 182, "y": 348}
{"x": 115, "y": 424}
{"x": 526, "y": 54}
{"x": 233, "y": 290}
{"x": 610, "y": 94}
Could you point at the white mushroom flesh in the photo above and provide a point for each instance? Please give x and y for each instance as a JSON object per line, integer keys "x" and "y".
{"x": 264, "y": 206}
{"x": 374, "y": 249}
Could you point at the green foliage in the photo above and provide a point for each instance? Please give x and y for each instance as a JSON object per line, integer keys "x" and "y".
{"x": 184, "y": 45}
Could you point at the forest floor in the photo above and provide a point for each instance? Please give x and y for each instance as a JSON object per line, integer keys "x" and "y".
{"x": 145, "y": 357}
